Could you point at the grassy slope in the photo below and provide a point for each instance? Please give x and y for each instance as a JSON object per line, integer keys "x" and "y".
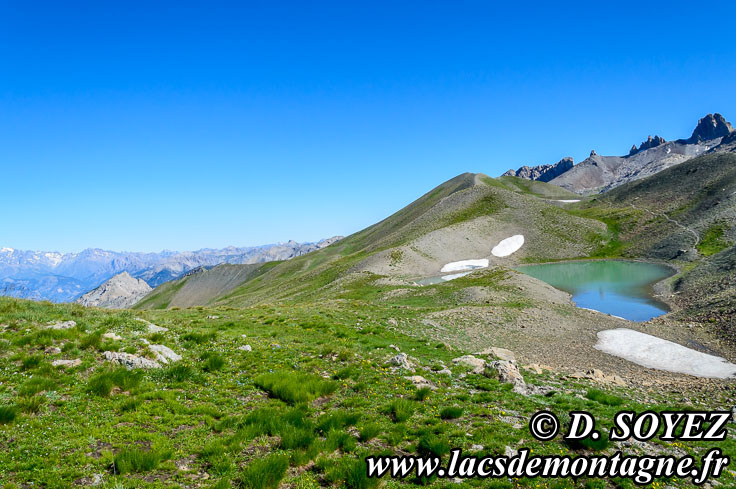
{"x": 457, "y": 201}
{"x": 538, "y": 189}
{"x": 216, "y": 419}
{"x": 200, "y": 288}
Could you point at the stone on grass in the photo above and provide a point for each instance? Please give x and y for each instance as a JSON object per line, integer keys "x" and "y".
{"x": 507, "y": 372}
{"x": 66, "y": 363}
{"x": 52, "y": 350}
{"x": 130, "y": 361}
{"x": 62, "y": 325}
{"x": 152, "y": 328}
{"x": 402, "y": 361}
{"x": 164, "y": 354}
{"x": 112, "y": 336}
{"x": 477, "y": 364}
{"x": 420, "y": 382}
{"x": 598, "y": 376}
{"x": 500, "y": 353}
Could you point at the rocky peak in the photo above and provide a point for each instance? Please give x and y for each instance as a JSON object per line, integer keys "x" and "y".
{"x": 651, "y": 142}
{"x": 120, "y": 292}
{"x": 711, "y": 126}
{"x": 593, "y": 153}
{"x": 543, "y": 173}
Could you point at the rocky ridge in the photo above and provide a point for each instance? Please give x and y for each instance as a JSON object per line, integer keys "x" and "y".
{"x": 542, "y": 173}
{"x": 599, "y": 173}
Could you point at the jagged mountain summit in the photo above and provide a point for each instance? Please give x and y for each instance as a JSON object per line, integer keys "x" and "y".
{"x": 120, "y": 292}
{"x": 651, "y": 142}
{"x": 598, "y": 173}
{"x": 710, "y": 127}
{"x": 542, "y": 173}
{"x": 63, "y": 277}
{"x": 601, "y": 173}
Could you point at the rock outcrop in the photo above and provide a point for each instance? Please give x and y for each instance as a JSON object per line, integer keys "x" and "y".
{"x": 62, "y": 325}
{"x": 130, "y": 361}
{"x": 120, "y": 292}
{"x": 712, "y": 126}
{"x": 542, "y": 173}
{"x": 651, "y": 142}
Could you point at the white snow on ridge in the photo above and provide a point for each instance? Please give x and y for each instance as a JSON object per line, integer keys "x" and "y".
{"x": 652, "y": 352}
{"x": 457, "y": 266}
{"x": 569, "y": 201}
{"x": 508, "y": 246}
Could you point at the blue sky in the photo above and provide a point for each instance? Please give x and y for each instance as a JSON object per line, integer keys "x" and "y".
{"x": 181, "y": 126}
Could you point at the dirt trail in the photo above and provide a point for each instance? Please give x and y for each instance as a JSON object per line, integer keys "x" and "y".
{"x": 657, "y": 214}
{"x": 677, "y": 223}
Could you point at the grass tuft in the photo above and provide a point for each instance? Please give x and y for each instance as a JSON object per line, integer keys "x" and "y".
{"x": 422, "y": 394}
{"x": 265, "y": 473}
{"x": 400, "y": 410}
{"x": 451, "y": 412}
{"x": 294, "y": 388}
{"x": 103, "y": 383}
{"x": 7, "y": 414}
{"x": 211, "y": 362}
{"x": 603, "y": 397}
{"x": 369, "y": 431}
{"x": 137, "y": 460}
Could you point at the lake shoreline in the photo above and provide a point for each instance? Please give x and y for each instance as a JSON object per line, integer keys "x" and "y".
{"x": 634, "y": 289}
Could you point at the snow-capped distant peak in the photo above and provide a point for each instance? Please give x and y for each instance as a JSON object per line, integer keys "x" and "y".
{"x": 6, "y": 250}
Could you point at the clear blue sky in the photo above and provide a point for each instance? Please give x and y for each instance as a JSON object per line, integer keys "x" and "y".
{"x": 131, "y": 127}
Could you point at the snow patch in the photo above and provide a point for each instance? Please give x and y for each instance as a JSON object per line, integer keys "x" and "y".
{"x": 508, "y": 245}
{"x": 453, "y": 276}
{"x": 6, "y": 250}
{"x": 569, "y": 201}
{"x": 457, "y": 266}
{"x": 652, "y": 352}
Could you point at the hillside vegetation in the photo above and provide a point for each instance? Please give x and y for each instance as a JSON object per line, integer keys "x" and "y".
{"x": 294, "y": 395}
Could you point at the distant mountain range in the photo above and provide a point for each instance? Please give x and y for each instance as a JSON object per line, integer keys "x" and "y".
{"x": 63, "y": 277}
{"x": 599, "y": 173}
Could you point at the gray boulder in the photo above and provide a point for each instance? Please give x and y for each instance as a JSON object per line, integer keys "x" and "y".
{"x": 62, "y": 325}
{"x": 507, "y": 372}
{"x": 402, "y": 361}
{"x": 129, "y": 360}
{"x": 164, "y": 354}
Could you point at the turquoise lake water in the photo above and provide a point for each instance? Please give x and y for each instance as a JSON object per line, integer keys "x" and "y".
{"x": 619, "y": 288}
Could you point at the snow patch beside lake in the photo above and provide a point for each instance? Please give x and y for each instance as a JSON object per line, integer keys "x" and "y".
{"x": 447, "y": 278}
{"x": 508, "y": 246}
{"x": 457, "y": 266}
{"x": 652, "y": 352}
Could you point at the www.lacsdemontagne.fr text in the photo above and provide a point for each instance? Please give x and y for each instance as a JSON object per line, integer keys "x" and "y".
{"x": 640, "y": 469}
